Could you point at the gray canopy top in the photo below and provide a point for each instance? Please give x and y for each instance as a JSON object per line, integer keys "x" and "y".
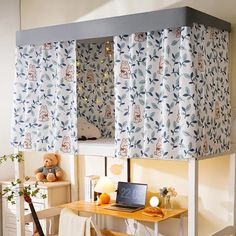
{"x": 108, "y": 27}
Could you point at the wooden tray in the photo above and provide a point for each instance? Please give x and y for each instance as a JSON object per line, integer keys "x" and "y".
{"x": 152, "y": 214}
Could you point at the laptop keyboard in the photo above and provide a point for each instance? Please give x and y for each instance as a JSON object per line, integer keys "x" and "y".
{"x": 125, "y": 206}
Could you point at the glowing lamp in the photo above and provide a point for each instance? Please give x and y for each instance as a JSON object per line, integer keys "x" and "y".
{"x": 104, "y": 186}
{"x": 154, "y": 201}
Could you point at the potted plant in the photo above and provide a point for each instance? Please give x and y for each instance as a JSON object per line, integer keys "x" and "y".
{"x": 27, "y": 190}
{"x": 166, "y": 194}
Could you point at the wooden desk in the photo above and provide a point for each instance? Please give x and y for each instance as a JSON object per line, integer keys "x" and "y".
{"x": 91, "y": 207}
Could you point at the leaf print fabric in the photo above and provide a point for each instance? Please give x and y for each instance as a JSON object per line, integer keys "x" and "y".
{"x": 45, "y": 98}
{"x": 172, "y": 96}
{"x": 95, "y": 78}
{"x": 165, "y": 93}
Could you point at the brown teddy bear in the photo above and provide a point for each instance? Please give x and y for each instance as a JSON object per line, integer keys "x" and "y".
{"x": 50, "y": 171}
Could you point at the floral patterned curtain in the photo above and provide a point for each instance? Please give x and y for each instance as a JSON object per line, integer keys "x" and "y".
{"x": 172, "y": 93}
{"x": 45, "y": 103}
{"x": 96, "y": 85}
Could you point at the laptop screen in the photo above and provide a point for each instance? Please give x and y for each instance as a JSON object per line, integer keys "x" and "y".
{"x": 133, "y": 194}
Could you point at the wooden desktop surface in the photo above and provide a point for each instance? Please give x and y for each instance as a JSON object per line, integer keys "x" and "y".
{"x": 91, "y": 207}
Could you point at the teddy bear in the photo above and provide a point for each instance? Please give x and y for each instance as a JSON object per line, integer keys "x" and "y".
{"x": 50, "y": 171}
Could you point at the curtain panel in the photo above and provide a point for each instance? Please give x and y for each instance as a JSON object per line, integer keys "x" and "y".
{"x": 45, "y": 101}
{"x": 172, "y": 96}
{"x": 95, "y": 78}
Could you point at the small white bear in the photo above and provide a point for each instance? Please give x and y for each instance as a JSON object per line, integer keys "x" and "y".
{"x": 69, "y": 73}
{"x": 87, "y": 130}
{"x": 47, "y": 46}
{"x": 27, "y": 141}
{"x": 160, "y": 66}
{"x": 139, "y": 37}
{"x": 178, "y": 32}
{"x": 124, "y": 70}
{"x": 158, "y": 148}
{"x": 32, "y": 73}
{"x": 108, "y": 112}
{"x": 43, "y": 114}
{"x": 124, "y": 147}
{"x": 66, "y": 144}
{"x": 90, "y": 77}
{"x": 137, "y": 114}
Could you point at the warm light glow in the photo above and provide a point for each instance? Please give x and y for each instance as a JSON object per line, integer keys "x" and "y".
{"x": 98, "y": 101}
{"x": 106, "y": 75}
{"x": 104, "y": 185}
{"x": 154, "y": 201}
{"x": 108, "y": 48}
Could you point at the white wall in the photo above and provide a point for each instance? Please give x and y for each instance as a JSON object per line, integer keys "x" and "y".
{"x": 9, "y": 23}
{"x": 89, "y": 165}
{"x": 213, "y": 173}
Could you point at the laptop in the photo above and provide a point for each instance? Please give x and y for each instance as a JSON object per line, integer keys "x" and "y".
{"x": 130, "y": 197}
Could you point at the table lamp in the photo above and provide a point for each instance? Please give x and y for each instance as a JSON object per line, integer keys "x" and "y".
{"x": 104, "y": 186}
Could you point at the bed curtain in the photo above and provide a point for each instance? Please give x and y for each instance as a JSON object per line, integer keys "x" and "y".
{"x": 172, "y": 96}
{"x": 45, "y": 102}
{"x": 171, "y": 90}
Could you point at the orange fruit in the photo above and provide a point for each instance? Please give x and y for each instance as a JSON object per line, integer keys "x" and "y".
{"x": 104, "y": 198}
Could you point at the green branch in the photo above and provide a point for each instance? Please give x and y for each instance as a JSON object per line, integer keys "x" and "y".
{"x": 12, "y": 157}
{"x": 14, "y": 189}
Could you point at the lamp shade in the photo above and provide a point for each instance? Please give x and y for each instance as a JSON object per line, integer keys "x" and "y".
{"x": 104, "y": 185}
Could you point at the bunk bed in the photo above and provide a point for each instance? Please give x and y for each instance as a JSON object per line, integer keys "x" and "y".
{"x": 68, "y": 71}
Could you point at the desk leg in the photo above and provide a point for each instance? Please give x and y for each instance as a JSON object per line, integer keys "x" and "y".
{"x": 99, "y": 220}
{"x": 156, "y": 230}
{"x": 95, "y": 218}
{"x": 95, "y": 224}
{"x": 102, "y": 221}
{"x": 181, "y": 232}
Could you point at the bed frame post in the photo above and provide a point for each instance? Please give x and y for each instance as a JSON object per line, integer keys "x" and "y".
{"x": 74, "y": 193}
{"x": 232, "y": 173}
{"x": 232, "y": 190}
{"x": 193, "y": 197}
{"x": 20, "y": 222}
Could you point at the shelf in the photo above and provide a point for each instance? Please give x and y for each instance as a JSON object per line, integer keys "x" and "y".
{"x": 98, "y": 147}
{"x": 42, "y": 185}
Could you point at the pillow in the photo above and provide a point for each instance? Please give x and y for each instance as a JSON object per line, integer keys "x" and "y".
{"x": 87, "y": 130}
